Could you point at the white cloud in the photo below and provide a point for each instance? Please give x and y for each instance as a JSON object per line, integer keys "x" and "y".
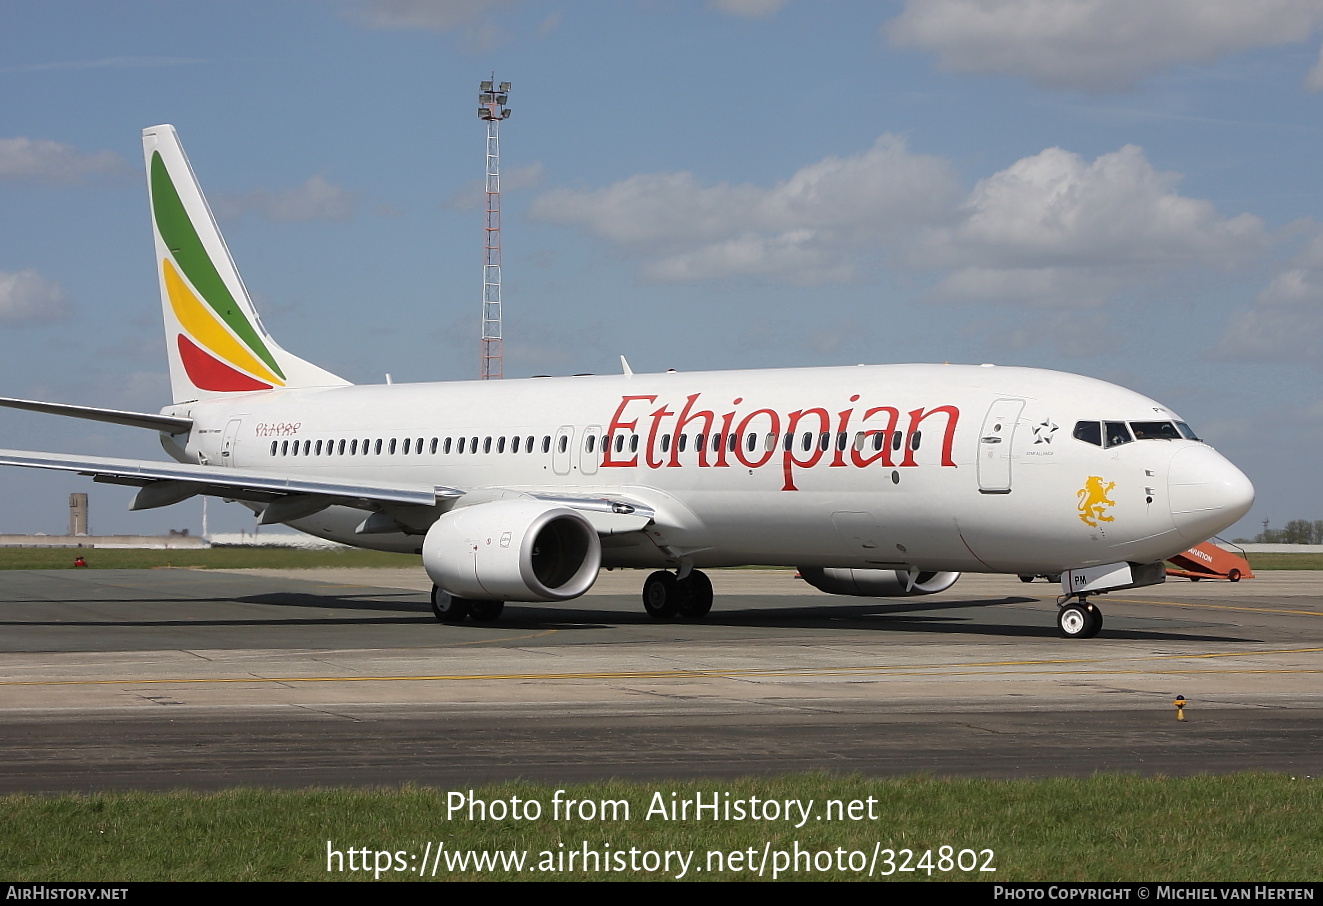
{"x": 435, "y": 15}
{"x": 1054, "y": 231}
{"x": 749, "y": 9}
{"x": 1314, "y": 81}
{"x": 315, "y": 199}
{"x": 42, "y": 160}
{"x": 104, "y": 63}
{"x": 474, "y": 194}
{"x": 1098, "y": 45}
{"x": 804, "y": 229}
{"x": 1285, "y": 320}
{"x": 475, "y": 21}
{"x": 27, "y": 297}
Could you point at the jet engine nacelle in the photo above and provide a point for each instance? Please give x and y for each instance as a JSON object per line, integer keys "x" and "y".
{"x": 877, "y": 583}
{"x": 512, "y": 550}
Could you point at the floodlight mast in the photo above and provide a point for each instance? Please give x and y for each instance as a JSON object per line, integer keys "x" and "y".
{"x": 492, "y": 109}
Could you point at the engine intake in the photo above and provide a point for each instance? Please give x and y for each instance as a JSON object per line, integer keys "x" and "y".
{"x": 512, "y": 550}
{"x": 877, "y": 583}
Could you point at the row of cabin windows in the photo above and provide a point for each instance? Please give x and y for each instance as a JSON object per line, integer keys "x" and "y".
{"x": 517, "y": 444}
{"x": 751, "y": 441}
{"x": 407, "y": 446}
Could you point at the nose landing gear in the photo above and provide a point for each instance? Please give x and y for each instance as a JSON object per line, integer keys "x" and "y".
{"x": 1079, "y": 620}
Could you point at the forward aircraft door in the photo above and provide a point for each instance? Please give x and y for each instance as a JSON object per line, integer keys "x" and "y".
{"x": 995, "y": 443}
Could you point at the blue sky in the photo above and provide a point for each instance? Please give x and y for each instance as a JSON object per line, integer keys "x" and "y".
{"x": 1123, "y": 188}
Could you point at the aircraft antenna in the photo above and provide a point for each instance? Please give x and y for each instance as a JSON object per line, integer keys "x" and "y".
{"x": 492, "y": 109}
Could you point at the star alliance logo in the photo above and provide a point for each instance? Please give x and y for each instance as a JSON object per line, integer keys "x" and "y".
{"x": 1043, "y": 432}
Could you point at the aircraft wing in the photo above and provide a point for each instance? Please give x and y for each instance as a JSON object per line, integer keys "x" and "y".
{"x": 178, "y": 481}
{"x": 292, "y": 497}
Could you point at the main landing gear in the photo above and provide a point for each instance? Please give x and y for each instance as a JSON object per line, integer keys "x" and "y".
{"x": 665, "y": 596}
{"x": 1079, "y": 620}
{"x": 449, "y": 609}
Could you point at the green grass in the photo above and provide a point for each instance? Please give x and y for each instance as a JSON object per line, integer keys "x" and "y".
{"x": 1246, "y": 827}
{"x": 1286, "y": 561}
{"x": 213, "y": 558}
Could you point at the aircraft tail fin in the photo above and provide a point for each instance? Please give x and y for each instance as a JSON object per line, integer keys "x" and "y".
{"x": 215, "y": 340}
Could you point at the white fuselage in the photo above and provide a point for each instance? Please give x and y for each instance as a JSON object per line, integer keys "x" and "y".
{"x": 935, "y": 467}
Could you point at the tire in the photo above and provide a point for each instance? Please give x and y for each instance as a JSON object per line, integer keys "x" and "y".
{"x": 661, "y": 595}
{"x": 1027, "y": 578}
{"x": 1079, "y": 621}
{"x": 695, "y": 596}
{"x": 486, "y": 611}
{"x": 1233, "y": 576}
{"x": 447, "y": 608}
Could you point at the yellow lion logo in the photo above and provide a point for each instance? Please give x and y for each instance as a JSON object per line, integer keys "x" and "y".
{"x": 1094, "y": 501}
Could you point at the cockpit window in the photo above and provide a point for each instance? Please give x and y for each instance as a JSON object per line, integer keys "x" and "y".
{"x": 1155, "y": 431}
{"x": 1114, "y": 434}
{"x": 1089, "y": 432}
{"x": 1117, "y": 434}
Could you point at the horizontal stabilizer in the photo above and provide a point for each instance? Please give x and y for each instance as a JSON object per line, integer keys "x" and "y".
{"x": 168, "y": 424}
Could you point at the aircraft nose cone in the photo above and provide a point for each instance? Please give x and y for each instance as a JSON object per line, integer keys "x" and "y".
{"x": 1206, "y": 493}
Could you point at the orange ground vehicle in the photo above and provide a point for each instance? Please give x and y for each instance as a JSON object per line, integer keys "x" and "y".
{"x": 1209, "y": 561}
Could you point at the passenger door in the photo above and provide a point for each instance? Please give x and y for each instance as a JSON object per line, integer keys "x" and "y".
{"x": 996, "y": 446}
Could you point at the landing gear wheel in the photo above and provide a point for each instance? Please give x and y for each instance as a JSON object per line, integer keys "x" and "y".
{"x": 448, "y": 609}
{"x": 661, "y": 595}
{"x": 486, "y": 611}
{"x": 696, "y": 596}
{"x": 1079, "y": 621}
{"x": 1027, "y": 578}
{"x": 1233, "y": 576}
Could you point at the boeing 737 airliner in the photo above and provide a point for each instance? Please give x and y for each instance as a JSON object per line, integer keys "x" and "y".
{"x": 885, "y": 480}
